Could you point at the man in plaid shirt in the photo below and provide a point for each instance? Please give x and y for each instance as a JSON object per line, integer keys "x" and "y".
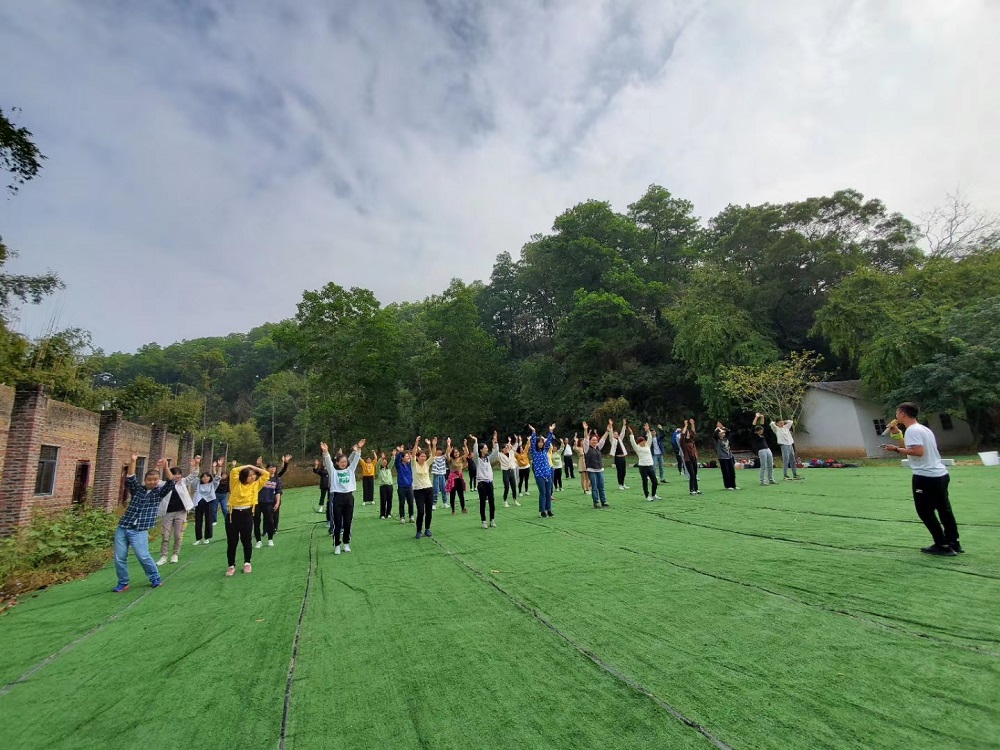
{"x": 140, "y": 517}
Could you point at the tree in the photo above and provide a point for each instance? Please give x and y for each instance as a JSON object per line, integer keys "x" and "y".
{"x": 241, "y": 441}
{"x": 957, "y": 229}
{"x": 775, "y": 389}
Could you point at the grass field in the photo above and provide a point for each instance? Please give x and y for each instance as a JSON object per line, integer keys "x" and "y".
{"x": 800, "y": 615}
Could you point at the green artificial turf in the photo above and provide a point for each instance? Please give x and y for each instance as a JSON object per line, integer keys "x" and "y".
{"x": 800, "y": 615}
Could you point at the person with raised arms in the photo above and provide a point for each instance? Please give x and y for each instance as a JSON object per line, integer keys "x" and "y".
{"x": 727, "y": 462}
{"x": 268, "y": 505}
{"x": 384, "y": 488}
{"x": 484, "y": 478}
{"x": 342, "y": 486}
{"x": 619, "y": 452}
{"x": 368, "y": 469}
{"x": 439, "y": 472}
{"x": 594, "y": 463}
{"x": 688, "y": 436}
{"x": 404, "y": 481}
{"x": 245, "y": 483}
{"x": 324, "y": 483}
{"x": 538, "y": 451}
{"x": 139, "y": 517}
{"x": 423, "y": 489}
{"x": 174, "y": 509}
{"x": 644, "y": 452}
{"x": 765, "y": 458}
{"x": 523, "y": 465}
{"x": 204, "y": 500}
{"x": 580, "y": 447}
{"x": 455, "y": 484}
{"x": 508, "y": 472}
{"x": 567, "y": 455}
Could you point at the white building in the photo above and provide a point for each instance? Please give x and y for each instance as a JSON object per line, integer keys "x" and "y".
{"x": 837, "y": 421}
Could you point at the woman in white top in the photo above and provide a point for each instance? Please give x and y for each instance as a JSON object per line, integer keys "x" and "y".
{"x": 618, "y": 452}
{"x": 203, "y": 498}
{"x": 584, "y": 474}
{"x": 568, "y": 458}
{"x": 484, "y": 478}
{"x": 644, "y": 452}
{"x": 342, "y": 486}
{"x": 508, "y": 471}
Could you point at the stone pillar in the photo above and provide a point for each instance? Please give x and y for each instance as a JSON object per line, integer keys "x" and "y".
{"x": 24, "y": 440}
{"x": 108, "y": 472}
{"x": 185, "y": 452}
{"x": 157, "y": 445}
{"x": 207, "y": 453}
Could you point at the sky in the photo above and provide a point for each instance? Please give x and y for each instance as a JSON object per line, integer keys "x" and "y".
{"x": 209, "y": 161}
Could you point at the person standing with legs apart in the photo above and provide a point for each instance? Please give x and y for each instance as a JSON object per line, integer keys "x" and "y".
{"x": 688, "y": 436}
{"x": 423, "y": 490}
{"x": 523, "y": 465}
{"x": 384, "y": 488}
{"x": 618, "y": 452}
{"x": 174, "y": 510}
{"x": 783, "y": 432}
{"x": 930, "y": 482}
{"x": 204, "y": 501}
{"x": 269, "y": 503}
{"x": 644, "y": 453}
{"x": 139, "y": 517}
{"x": 758, "y": 444}
{"x": 567, "y": 454}
{"x": 538, "y": 451}
{"x": 727, "y": 462}
{"x": 484, "y": 478}
{"x": 455, "y": 483}
{"x": 324, "y": 483}
{"x": 508, "y": 472}
{"x": 245, "y": 483}
{"x": 342, "y": 486}
{"x": 594, "y": 463}
{"x": 368, "y": 479}
{"x": 404, "y": 482}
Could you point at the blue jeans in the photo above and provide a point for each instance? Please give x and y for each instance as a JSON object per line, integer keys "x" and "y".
{"x": 658, "y": 465}
{"x": 440, "y": 483}
{"x": 597, "y": 488}
{"x": 139, "y": 540}
{"x": 544, "y": 493}
{"x": 223, "y": 500}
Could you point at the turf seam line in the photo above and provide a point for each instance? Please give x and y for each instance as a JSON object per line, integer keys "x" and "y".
{"x": 295, "y": 644}
{"x": 73, "y": 644}
{"x": 593, "y": 657}
{"x": 787, "y": 597}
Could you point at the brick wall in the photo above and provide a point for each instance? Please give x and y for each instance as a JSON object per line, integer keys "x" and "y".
{"x": 29, "y": 419}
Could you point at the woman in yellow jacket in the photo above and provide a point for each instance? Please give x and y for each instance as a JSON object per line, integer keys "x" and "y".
{"x": 368, "y": 479}
{"x": 245, "y": 482}
{"x": 523, "y": 466}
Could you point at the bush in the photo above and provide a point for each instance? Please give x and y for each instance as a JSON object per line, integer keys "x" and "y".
{"x": 54, "y": 548}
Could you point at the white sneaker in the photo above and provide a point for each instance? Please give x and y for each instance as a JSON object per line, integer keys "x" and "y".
{"x": 621, "y": 486}
{"x": 347, "y": 548}
{"x": 656, "y": 497}
{"x": 205, "y": 541}
{"x": 247, "y": 568}
{"x": 162, "y": 560}
{"x": 506, "y": 504}
{"x": 624, "y": 486}
{"x": 258, "y": 545}
{"x": 493, "y": 524}
{"x": 517, "y": 503}
{"x": 485, "y": 524}
{"x": 197, "y": 542}
{"x": 270, "y": 542}
{"x": 336, "y": 550}
{"x": 402, "y": 520}
{"x": 173, "y": 558}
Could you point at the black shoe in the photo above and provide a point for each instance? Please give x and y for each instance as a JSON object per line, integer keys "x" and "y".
{"x": 551, "y": 514}
{"x": 957, "y": 547}
{"x": 605, "y": 505}
{"x": 942, "y": 550}
{"x": 596, "y": 505}
{"x": 543, "y": 515}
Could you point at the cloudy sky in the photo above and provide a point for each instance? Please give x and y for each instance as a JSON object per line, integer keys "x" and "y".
{"x": 208, "y": 161}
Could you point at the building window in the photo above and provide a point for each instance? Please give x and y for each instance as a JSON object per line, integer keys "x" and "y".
{"x": 946, "y": 423}
{"x": 140, "y": 468}
{"x": 45, "y": 479}
{"x": 879, "y": 426}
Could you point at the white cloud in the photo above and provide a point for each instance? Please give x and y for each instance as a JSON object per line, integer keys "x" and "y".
{"x": 228, "y": 160}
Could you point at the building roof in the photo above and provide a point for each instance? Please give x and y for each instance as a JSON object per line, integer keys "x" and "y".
{"x": 849, "y": 388}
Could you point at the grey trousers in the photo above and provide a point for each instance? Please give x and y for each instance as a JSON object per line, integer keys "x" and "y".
{"x": 788, "y": 460}
{"x": 172, "y": 525}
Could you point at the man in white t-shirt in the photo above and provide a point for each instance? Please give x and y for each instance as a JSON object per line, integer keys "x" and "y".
{"x": 930, "y": 482}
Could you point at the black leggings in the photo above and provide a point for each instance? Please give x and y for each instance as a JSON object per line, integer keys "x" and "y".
{"x": 472, "y": 473}
{"x": 425, "y": 503}
{"x": 509, "y": 483}
{"x": 648, "y": 475}
{"x": 459, "y": 487}
{"x": 368, "y": 489}
{"x": 324, "y": 493}
{"x": 343, "y": 514}
{"x": 620, "y": 467}
{"x": 728, "y": 467}
{"x": 568, "y": 467}
{"x": 692, "y": 467}
{"x": 405, "y": 494}
{"x": 385, "y": 501}
{"x": 203, "y": 515}
{"x": 486, "y": 495}
{"x": 239, "y": 528}
{"x": 522, "y": 478}
{"x": 265, "y": 510}
{"x": 556, "y": 478}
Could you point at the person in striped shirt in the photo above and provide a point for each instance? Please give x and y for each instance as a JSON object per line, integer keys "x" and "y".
{"x": 439, "y": 472}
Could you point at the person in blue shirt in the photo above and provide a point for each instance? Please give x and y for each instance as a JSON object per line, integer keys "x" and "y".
{"x": 538, "y": 451}
{"x": 657, "y": 448}
{"x": 138, "y": 519}
{"x": 404, "y": 480}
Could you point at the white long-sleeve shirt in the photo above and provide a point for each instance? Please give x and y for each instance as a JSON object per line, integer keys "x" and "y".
{"x": 643, "y": 452}
{"x": 618, "y": 447}
{"x": 342, "y": 480}
{"x": 507, "y": 461}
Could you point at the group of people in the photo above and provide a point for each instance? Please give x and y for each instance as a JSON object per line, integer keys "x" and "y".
{"x": 430, "y": 475}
